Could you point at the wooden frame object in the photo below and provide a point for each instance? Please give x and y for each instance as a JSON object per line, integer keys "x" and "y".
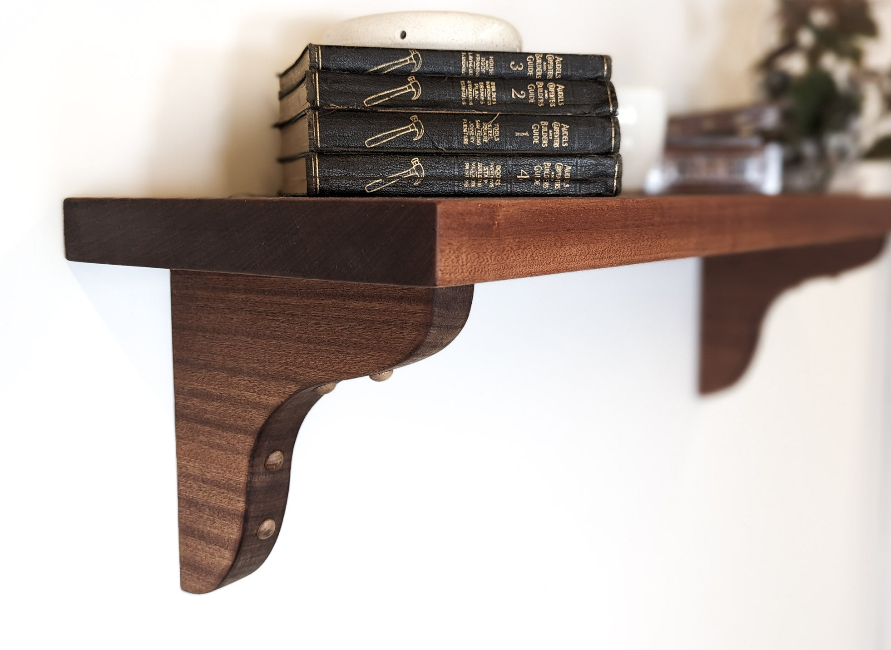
{"x": 737, "y": 291}
{"x": 274, "y": 301}
{"x": 251, "y": 356}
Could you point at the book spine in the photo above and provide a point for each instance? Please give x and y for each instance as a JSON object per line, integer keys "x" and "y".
{"x": 437, "y": 132}
{"x": 745, "y": 122}
{"x": 330, "y": 90}
{"x": 438, "y": 175}
{"x": 460, "y": 63}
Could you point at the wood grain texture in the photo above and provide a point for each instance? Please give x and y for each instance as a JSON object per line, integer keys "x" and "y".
{"x": 451, "y": 241}
{"x": 248, "y": 353}
{"x": 737, "y": 291}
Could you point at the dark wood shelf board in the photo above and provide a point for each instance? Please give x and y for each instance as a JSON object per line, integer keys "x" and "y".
{"x": 258, "y": 339}
{"x": 439, "y": 242}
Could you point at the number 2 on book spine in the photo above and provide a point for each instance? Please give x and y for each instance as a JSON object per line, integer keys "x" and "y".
{"x": 517, "y": 94}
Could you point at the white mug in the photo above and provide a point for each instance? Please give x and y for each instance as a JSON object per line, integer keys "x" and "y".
{"x": 643, "y": 119}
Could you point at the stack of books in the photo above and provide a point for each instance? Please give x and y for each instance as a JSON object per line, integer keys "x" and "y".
{"x": 722, "y": 152}
{"x": 359, "y": 121}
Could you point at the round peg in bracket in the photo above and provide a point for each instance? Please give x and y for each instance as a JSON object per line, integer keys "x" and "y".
{"x": 274, "y": 461}
{"x": 266, "y": 529}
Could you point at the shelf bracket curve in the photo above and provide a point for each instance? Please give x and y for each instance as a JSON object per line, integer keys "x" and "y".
{"x": 251, "y": 356}
{"x": 738, "y": 290}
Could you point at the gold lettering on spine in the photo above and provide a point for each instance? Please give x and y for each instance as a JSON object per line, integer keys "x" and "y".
{"x": 478, "y": 133}
{"x": 479, "y": 92}
{"x": 476, "y": 64}
{"x": 479, "y": 174}
{"x": 547, "y": 66}
{"x": 549, "y": 174}
{"x": 546, "y": 175}
{"x": 550, "y": 134}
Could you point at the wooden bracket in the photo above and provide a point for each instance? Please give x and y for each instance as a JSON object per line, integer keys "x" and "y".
{"x": 737, "y": 291}
{"x": 251, "y": 356}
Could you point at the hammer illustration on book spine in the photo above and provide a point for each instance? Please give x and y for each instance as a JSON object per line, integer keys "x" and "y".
{"x": 414, "y": 126}
{"x": 413, "y": 86}
{"x": 413, "y": 59}
{"x": 416, "y": 171}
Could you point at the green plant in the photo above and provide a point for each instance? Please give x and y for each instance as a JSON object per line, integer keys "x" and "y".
{"x": 817, "y": 73}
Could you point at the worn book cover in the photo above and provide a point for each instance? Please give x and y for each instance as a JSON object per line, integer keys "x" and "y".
{"x": 335, "y": 90}
{"x": 753, "y": 120}
{"x": 445, "y": 175}
{"x": 446, "y": 63}
{"x": 374, "y": 132}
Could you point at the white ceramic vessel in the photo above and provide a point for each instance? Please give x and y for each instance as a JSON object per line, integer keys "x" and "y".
{"x": 436, "y": 30}
{"x": 643, "y": 117}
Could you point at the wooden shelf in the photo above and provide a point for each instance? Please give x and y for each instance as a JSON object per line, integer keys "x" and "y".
{"x": 450, "y": 241}
{"x": 274, "y": 301}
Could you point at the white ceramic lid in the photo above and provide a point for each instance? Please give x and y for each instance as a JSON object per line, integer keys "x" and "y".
{"x": 436, "y": 30}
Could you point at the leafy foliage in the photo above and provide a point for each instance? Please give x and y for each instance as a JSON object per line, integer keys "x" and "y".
{"x": 817, "y": 73}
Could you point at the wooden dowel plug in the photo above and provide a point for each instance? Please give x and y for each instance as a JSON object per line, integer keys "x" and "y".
{"x": 266, "y": 529}
{"x": 274, "y": 461}
{"x": 326, "y": 388}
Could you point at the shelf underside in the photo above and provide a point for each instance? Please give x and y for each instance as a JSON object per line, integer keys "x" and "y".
{"x": 440, "y": 242}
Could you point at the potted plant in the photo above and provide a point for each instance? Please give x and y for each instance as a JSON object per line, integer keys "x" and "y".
{"x": 818, "y": 76}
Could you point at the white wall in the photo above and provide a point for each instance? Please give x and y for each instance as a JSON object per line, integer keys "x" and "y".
{"x": 550, "y": 480}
